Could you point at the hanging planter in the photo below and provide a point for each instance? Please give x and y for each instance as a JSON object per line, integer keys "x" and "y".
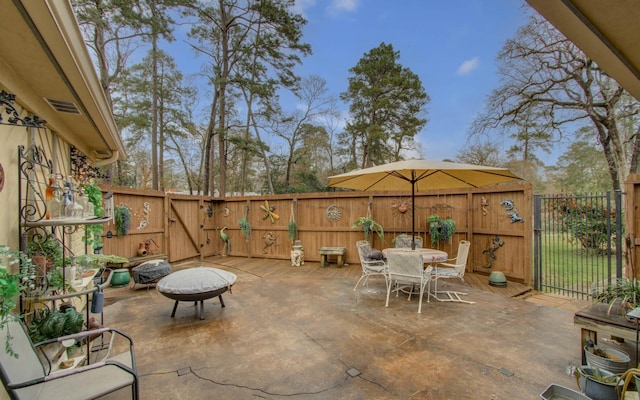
{"x": 368, "y": 226}
{"x": 293, "y": 226}
{"x": 441, "y": 230}
{"x": 245, "y": 227}
{"x": 122, "y": 216}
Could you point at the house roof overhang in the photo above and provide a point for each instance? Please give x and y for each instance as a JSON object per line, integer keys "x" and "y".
{"x": 43, "y": 57}
{"x": 607, "y": 31}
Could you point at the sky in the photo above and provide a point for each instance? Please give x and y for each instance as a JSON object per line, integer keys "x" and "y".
{"x": 451, "y": 45}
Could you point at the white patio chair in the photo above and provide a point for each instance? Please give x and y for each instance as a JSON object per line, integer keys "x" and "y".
{"x": 369, "y": 266}
{"x": 452, "y": 268}
{"x": 406, "y": 268}
{"x": 404, "y": 241}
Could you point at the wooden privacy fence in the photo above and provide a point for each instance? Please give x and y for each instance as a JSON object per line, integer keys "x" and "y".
{"x": 497, "y": 220}
{"x": 632, "y": 226}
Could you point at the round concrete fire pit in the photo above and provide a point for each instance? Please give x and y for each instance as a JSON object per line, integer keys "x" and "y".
{"x": 196, "y": 284}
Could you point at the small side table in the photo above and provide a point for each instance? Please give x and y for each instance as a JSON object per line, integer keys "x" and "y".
{"x": 325, "y": 252}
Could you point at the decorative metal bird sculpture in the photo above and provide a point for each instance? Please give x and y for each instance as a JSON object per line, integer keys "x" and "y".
{"x": 225, "y": 239}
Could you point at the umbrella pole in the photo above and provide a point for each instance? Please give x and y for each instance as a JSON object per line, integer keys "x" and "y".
{"x": 413, "y": 212}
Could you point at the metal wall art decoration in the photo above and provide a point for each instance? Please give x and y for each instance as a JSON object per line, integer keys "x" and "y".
{"x": 483, "y": 205}
{"x": 491, "y": 251}
{"x": 333, "y": 213}
{"x": 401, "y": 208}
{"x": 513, "y": 212}
{"x": 270, "y": 241}
{"x": 227, "y": 242}
{"x": 1, "y": 178}
{"x": 146, "y": 210}
{"x": 269, "y": 212}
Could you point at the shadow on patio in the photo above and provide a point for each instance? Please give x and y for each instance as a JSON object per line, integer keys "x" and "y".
{"x": 303, "y": 333}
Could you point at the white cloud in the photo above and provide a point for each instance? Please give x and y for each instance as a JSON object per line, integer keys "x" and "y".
{"x": 301, "y": 6}
{"x": 338, "y": 6}
{"x": 468, "y": 66}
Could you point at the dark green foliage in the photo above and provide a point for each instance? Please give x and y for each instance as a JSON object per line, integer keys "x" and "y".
{"x": 589, "y": 224}
{"x": 293, "y": 230}
{"x": 53, "y": 324}
{"x": 94, "y": 196}
{"x": 50, "y": 247}
{"x": 11, "y": 285}
{"x": 368, "y": 226}
{"x": 122, "y": 216}
{"x": 245, "y": 227}
{"x": 386, "y": 106}
{"x": 440, "y": 229}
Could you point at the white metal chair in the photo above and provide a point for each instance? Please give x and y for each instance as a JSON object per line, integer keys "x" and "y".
{"x": 29, "y": 376}
{"x": 404, "y": 241}
{"x": 406, "y": 268}
{"x": 369, "y": 267}
{"x": 452, "y": 268}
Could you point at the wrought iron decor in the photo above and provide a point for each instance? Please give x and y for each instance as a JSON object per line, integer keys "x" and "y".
{"x": 6, "y": 102}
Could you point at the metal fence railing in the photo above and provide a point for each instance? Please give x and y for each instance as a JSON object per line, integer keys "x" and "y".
{"x": 577, "y": 243}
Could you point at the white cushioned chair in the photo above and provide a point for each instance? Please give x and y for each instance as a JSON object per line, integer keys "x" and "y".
{"x": 406, "y": 268}
{"x": 372, "y": 262}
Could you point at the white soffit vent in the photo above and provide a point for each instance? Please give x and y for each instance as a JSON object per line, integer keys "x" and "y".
{"x": 63, "y": 106}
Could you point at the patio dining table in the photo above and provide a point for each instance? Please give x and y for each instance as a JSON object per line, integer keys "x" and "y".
{"x": 428, "y": 255}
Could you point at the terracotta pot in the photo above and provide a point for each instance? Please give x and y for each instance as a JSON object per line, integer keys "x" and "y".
{"x": 142, "y": 250}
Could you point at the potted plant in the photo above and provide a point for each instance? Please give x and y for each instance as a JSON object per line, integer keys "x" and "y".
{"x": 293, "y": 230}
{"x": 369, "y": 226}
{"x": 17, "y": 273}
{"x": 46, "y": 253}
{"x": 122, "y": 216}
{"x": 94, "y": 231}
{"x": 440, "y": 229}
{"x": 245, "y": 227}
{"x": 597, "y": 383}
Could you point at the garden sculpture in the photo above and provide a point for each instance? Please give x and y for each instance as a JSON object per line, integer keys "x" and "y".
{"x": 490, "y": 252}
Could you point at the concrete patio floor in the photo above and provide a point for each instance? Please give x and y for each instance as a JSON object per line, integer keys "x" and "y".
{"x": 310, "y": 336}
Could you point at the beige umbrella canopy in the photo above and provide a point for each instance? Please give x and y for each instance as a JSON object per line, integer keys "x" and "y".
{"x": 421, "y": 176}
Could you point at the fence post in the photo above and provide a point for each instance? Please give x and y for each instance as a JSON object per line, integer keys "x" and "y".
{"x": 618, "y": 202}
{"x": 537, "y": 237}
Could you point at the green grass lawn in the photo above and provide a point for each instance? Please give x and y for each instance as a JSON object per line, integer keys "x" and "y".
{"x": 568, "y": 267}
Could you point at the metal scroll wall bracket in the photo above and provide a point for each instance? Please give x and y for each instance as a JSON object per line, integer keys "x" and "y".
{"x": 7, "y": 102}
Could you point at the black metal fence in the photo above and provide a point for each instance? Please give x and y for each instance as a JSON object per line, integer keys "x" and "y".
{"x": 577, "y": 243}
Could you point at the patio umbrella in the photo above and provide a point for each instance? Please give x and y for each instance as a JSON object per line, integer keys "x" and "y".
{"x": 421, "y": 176}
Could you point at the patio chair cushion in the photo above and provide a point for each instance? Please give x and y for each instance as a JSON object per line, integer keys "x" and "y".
{"x": 196, "y": 280}
{"x": 374, "y": 255}
{"x": 150, "y": 271}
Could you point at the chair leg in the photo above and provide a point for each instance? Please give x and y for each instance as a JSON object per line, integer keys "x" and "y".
{"x": 451, "y": 296}
{"x": 389, "y": 283}
{"x": 357, "y": 283}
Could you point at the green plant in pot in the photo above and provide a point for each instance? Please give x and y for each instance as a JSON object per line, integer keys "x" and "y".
{"x": 369, "y": 226}
{"x": 48, "y": 247}
{"x": 440, "y": 230}
{"x": 293, "y": 230}
{"x": 46, "y": 324}
{"x": 94, "y": 231}
{"x": 122, "y": 216}
{"x": 17, "y": 274}
{"x": 620, "y": 297}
